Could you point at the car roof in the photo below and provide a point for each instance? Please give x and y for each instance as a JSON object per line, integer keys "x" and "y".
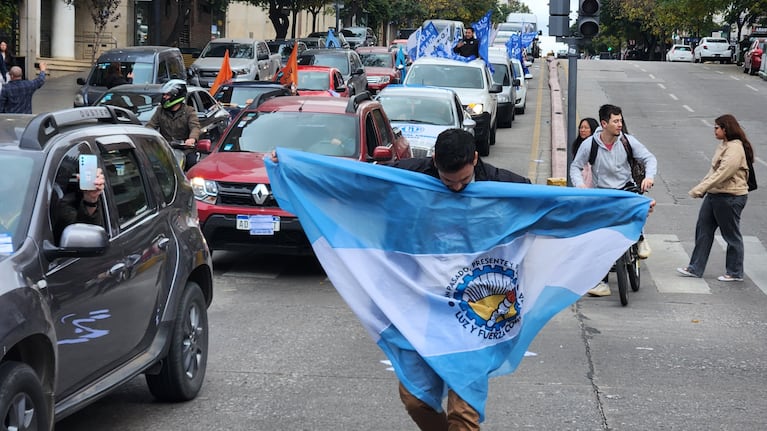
{"x": 133, "y": 53}
{"x": 448, "y": 61}
{"x": 326, "y": 51}
{"x": 373, "y": 49}
{"x": 233, "y": 41}
{"x": 269, "y": 84}
{"x": 417, "y": 91}
{"x": 317, "y": 104}
{"x": 147, "y": 88}
{"x": 313, "y": 68}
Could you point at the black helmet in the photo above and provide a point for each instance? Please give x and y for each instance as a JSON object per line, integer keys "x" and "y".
{"x": 176, "y": 90}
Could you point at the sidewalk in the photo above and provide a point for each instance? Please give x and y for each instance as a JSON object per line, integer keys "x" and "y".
{"x": 57, "y": 93}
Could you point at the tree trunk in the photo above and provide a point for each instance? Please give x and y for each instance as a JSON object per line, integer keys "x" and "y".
{"x": 178, "y": 26}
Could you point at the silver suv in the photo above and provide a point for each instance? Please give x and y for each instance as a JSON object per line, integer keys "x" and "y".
{"x": 474, "y": 86}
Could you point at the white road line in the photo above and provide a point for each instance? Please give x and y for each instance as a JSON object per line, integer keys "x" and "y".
{"x": 720, "y": 72}
{"x": 663, "y": 87}
{"x": 667, "y": 255}
{"x": 753, "y": 263}
{"x": 753, "y": 88}
{"x": 642, "y": 70}
{"x": 735, "y": 77}
{"x": 687, "y": 108}
{"x": 760, "y": 161}
{"x": 706, "y": 123}
{"x": 652, "y": 76}
{"x": 671, "y": 95}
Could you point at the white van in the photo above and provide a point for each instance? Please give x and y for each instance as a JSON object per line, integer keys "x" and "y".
{"x": 503, "y": 74}
{"x": 456, "y": 27}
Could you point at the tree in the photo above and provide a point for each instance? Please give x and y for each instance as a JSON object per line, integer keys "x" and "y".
{"x": 182, "y": 14}
{"x": 103, "y": 12}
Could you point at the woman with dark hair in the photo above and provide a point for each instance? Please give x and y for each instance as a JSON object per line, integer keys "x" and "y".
{"x": 6, "y": 61}
{"x": 586, "y": 128}
{"x": 724, "y": 190}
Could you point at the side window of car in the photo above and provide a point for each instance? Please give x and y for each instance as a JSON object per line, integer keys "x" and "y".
{"x": 338, "y": 80}
{"x": 162, "y": 72}
{"x": 125, "y": 178}
{"x": 162, "y": 161}
{"x": 459, "y": 110}
{"x": 383, "y": 126}
{"x": 355, "y": 62}
{"x": 371, "y": 137}
{"x": 206, "y": 100}
{"x": 175, "y": 68}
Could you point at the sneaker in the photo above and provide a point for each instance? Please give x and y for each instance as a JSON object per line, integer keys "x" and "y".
{"x": 728, "y": 277}
{"x": 643, "y": 249}
{"x": 686, "y": 272}
{"x": 601, "y": 289}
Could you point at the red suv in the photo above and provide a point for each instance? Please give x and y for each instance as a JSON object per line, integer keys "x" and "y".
{"x": 236, "y": 207}
{"x": 380, "y": 65}
{"x": 752, "y": 61}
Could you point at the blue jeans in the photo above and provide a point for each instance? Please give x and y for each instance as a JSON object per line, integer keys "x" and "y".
{"x": 719, "y": 211}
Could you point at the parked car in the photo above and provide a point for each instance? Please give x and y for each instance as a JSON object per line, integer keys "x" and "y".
{"x": 380, "y": 66}
{"x": 284, "y": 47}
{"x": 143, "y": 100}
{"x": 752, "y": 60}
{"x": 249, "y": 59}
{"x": 321, "y": 81}
{"x": 237, "y": 95}
{"x": 236, "y": 207}
{"x": 90, "y": 302}
{"x": 712, "y": 49}
{"x": 318, "y": 39}
{"x": 474, "y": 85}
{"x": 422, "y": 113}
{"x": 521, "y": 89}
{"x": 359, "y": 36}
{"x": 345, "y": 60}
{"x": 679, "y": 53}
{"x": 144, "y": 64}
{"x": 504, "y": 75}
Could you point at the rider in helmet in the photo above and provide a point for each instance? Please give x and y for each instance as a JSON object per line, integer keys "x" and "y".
{"x": 174, "y": 119}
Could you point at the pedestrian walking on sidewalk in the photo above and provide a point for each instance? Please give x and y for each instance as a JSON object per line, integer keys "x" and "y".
{"x": 16, "y": 97}
{"x": 724, "y": 190}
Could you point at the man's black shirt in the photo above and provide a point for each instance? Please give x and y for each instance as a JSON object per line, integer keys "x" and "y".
{"x": 482, "y": 171}
{"x": 470, "y": 47}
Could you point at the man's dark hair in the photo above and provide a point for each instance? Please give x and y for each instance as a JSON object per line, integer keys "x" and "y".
{"x": 454, "y": 149}
{"x": 470, "y": 28}
{"x": 607, "y": 110}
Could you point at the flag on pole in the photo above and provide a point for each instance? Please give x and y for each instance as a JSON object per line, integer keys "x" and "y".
{"x": 332, "y": 41}
{"x": 401, "y": 63}
{"x": 453, "y": 286}
{"x": 224, "y": 74}
{"x": 482, "y": 30}
{"x": 288, "y": 75}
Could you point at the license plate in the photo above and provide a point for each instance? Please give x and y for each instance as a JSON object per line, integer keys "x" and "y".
{"x": 259, "y": 224}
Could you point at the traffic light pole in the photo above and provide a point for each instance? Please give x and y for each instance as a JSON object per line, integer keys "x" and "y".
{"x": 572, "y": 98}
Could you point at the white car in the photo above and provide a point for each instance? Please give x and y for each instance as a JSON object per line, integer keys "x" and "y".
{"x": 679, "y": 53}
{"x": 712, "y": 49}
{"x": 474, "y": 86}
{"x": 422, "y": 113}
{"x": 519, "y": 107}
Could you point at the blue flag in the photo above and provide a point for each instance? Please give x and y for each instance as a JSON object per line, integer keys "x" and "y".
{"x": 331, "y": 41}
{"x": 401, "y": 61}
{"x": 453, "y": 286}
{"x": 482, "y": 30}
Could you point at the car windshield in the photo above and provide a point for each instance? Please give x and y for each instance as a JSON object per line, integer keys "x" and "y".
{"x": 338, "y": 61}
{"x": 376, "y": 60}
{"x": 439, "y": 75}
{"x": 312, "y": 132}
{"x": 239, "y": 96}
{"x": 236, "y": 50}
{"x": 426, "y": 110}
{"x": 140, "y": 104}
{"x": 308, "y": 80}
{"x": 17, "y": 197}
{"x": 141, "y": 73}
{"x": 358, "y": 32}
{"x": 501, "y": 74}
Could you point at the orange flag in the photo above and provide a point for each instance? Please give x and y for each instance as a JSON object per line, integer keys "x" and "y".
{"x": 289, "y": 74}
{"x": 224, "y": 75}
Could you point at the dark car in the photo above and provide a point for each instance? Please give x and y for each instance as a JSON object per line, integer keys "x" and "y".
{"x": 347, "y": 61}
{"x": 237, "y": 209}
{"x": 143, "y": 100}
{"x": 318, "y": 39}
{"x": 359, "y": 36}
{"x": 235, "y": 96}
{"x": 284, "y": 47}
{"x": 86, "y": 305}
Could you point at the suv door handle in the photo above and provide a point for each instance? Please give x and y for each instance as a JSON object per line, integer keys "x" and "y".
{"x": 162, "y": 243}
{"x": 117, "y": 269}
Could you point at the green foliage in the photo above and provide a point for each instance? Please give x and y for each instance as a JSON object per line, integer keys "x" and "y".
{"x": 8, "y": 10}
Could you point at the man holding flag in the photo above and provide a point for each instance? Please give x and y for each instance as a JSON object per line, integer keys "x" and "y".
{"x": 469, "y": 45}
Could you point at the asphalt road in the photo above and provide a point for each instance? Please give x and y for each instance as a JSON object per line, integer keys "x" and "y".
{"x": 287, "y": 353}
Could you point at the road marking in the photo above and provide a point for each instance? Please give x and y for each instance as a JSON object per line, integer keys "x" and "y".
{"x": 687, "y": 108}
{"x": 663, "y": 87}
{"x": 753, "y": 263}
{"x": 642, "y": 70}
{"x": 671, "y": 95}
{"x": 652, "y": 76}
{"x": 760, "y": 161}
{"x": 668, "y": 254}
{"x": 735, "y": 77}
{"x": 532, "y": 169}
{"x": 720, "y": 72}
{"x": 706, "y": 123}
{"x": 753, "y": 88}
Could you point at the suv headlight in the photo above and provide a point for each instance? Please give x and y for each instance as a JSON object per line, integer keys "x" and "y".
{"x": 205, "y": 190}
{"x": 476, "y": 108}
{"x": 79, "y": 100}
{"x": 503, "y": 98}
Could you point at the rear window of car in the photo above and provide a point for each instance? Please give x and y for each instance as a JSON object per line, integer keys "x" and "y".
{"x": 340, "y": 62}
{"x": 446, "y": 76}
{"x": 682, "y": 48}
{"x": 716, "y": 40}
{"x": 376, "y": 60}
{"x": 305, "y": 131}
{"x": 16, "y": 199}
{"x": 141, "y": 73}
{"x": 140, "y": 104}
{"x": 236, "y": 50}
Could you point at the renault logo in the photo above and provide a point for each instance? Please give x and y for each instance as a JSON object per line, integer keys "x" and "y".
{"x": 260, "y": 193}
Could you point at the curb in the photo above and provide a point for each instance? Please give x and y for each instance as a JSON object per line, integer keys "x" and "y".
{"x": 558, "y": 129}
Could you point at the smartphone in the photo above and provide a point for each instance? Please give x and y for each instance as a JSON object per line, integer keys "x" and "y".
{"x": 88, "y": 166}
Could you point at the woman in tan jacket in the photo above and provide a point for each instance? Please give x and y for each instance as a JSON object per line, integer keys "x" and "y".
{"x": 724, "y": 190}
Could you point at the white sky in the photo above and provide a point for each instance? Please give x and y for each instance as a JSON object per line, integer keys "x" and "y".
{"x": 541, "y": 9}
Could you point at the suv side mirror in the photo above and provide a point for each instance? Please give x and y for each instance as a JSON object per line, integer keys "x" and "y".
{"x": 382, "y": 154}
{"x": 80, "y": 81}
{"x": 496, "y": 88}
{"x": 203, "y": 145}
{"x": 359, "y": 71}
{"x": 78, "y": 240}
{"x": 516, "y": 82}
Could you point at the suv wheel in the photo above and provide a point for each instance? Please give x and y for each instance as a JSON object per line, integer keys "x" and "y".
{"x": 183, "y": 369}
{"x": 492, "y": 135}
{"x": 22, "y": 402}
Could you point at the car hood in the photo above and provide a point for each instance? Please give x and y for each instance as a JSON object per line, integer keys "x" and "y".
{"x": 420, "y": 135}
{"x": 471, "y": 95}
{"x": 231, "y": 167}
{"x": 210, "y": 63}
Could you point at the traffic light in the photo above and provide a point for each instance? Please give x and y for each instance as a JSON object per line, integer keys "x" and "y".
{"x": 588, "y": 17}
{"x": 559, "y": 17}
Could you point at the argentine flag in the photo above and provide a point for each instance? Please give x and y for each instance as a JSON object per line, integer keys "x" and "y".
{"x": 453, "y": 287}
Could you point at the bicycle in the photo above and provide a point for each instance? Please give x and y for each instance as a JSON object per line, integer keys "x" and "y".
{"x": 627, "y": 266}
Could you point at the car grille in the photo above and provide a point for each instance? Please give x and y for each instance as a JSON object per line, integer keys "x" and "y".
{"x": 208, "y": 74}
{"x": 241, "y": 194}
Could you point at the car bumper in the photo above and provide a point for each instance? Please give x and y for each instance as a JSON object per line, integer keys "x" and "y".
{"x": 504, "y": 109}
{"x": 221, "y": 233}
{"x": 482, "y": 129}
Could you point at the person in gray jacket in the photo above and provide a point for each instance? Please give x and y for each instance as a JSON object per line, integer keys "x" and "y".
{"x": 611, "y": 168}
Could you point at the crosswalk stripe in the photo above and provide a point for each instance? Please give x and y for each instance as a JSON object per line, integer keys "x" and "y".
{"x": 667, "y": 255}
{"x": 754, "y": 261}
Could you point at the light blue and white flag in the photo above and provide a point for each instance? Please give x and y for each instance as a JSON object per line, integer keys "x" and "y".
{"x": 332, "y": 41}
{"x": 427, "y": 41}
{"x": 527, "y": 39}
{"x": 482, "y": 30}
{"x": 412, "y": 44}
{"x": 453, "y": 287}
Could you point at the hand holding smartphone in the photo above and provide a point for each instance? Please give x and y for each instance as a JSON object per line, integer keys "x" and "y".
{"x": 88, "y": 171}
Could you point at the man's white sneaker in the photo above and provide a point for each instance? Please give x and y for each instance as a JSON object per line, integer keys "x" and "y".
{"x": 601, "y": 289}
{"x": 643, "y": 249}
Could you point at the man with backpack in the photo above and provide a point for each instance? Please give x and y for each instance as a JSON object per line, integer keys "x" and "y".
{"x": 612, "y": 155}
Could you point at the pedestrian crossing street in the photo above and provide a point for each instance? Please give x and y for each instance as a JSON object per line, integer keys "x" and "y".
{"x": 668, "y": 254}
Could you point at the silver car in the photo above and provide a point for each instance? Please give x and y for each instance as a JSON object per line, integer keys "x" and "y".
{"x": 422, "y": 113}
